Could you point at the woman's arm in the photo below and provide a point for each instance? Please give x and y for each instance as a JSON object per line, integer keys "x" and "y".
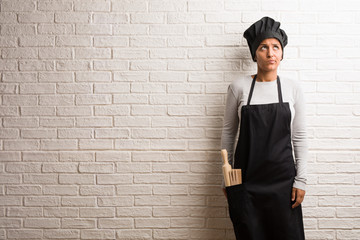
{"x": 230, "y": 125}
{"x": 299, "y": 139}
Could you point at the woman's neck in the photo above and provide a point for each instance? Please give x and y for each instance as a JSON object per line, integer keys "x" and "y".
{"x": 266, "y": 76}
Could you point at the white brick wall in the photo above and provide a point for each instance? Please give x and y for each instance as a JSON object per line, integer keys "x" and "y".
{"x": 111, "y": 114}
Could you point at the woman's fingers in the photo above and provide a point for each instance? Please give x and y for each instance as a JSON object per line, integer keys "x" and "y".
{"x": 299, "y": 195}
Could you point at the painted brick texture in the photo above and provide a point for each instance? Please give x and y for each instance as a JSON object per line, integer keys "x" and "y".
{"x": 111, "y": 114}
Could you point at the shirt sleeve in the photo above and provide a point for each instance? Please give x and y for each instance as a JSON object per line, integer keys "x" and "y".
{"x": 299, "y": 139}
{"x": 230, "y": 125}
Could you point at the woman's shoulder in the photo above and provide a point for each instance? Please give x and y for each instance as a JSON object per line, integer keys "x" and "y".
{"x": 290, "y": 83}
{"x": 240, "y": 83}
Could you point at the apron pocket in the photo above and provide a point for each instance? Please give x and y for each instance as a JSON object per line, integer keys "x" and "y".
{"x": 237, "y": 200}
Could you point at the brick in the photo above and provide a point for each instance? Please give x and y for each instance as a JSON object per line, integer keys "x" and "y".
{"x": 112, "y": 133}
{"x": 60, "y": 167}
{"x": 58, "y": 122}
{"x": 60, "y": 190}
{"x": 185, "y": 42}
{"x": 147, "y": 18}
{"x": 151, "y": 178}
{"x": 78, "y": 223}
{"x": 19, "y": 53}
{"x": 130, "y": 29}
{"x": 186, "y": 111}
{"x": 36, "y": 17}
{"x": 187, "y": 178}
{"x": 172, "y": 99}
{"x": 115, "y": 201}
{"x": 167, "y": 144}
{"x": 23, "y": 168}
{"x": 160, "y": 6}
{"x": 200, "y": 29}
{"x": 61, "y": 212}
{"x": 93, "y": 77}
{"x": 24, "y": 145}
{"x": 9, "y": 133}
{"x": 38, "y": 111}
{"x": 170, "y": 190}
{"x": 61, "y": 234}
{"x": 97, "y": 212}
{"x": 78, "y": 201}
{"x": 147, "y": 42}
{"x": 90, "y": 53}
{"x": 336, "y": 223}
{"x": 92, "y": 6}
{"x": 112, "y": 18}
{"x": 62, "y": 5}
{"x": 129, "y": 144}
{"x": 188, "y": 65}
{"x": 152, "y": 200}
{"x": 76, "y": 179}
{"x": 131, "y": 121}
{"x": 319, "y": 212}
{"x": 97, "y": 234}
{"x": 188, "y": 223}
{"x": 348, "y": 234}
{"x": 17, "y": 5}
{"x": 134, "y": 212}
{"x": 78, "y": 65}
{"x": 59, "y": 144}
{"x": 73, "y": 111}
{"x": 42, "y": 201}
{"x": 17, "y": 29}
{"x": 96, "y": 168}
{"x": 176, "y": 18}
{"x": 133, "y": 189}
{"x": 93, "y": 121}
{"x": 133, "y": 234}
{"x": 24, "y": 212}
{"x": 148, "y": 110}
{"x": 116, "y": 223}
{"x": 69, "y": 17}
{"x": 129, "y": 6}
{"x": 168, "y": 122}
{"x": 55, "y": 29}
{"x": 93, "y": 29}
{"x": 23, "y": 190}
{"x": 170, "y": 167}
{"x": 77, "y": 156}
{"x": 8, "y": 17}
{"x": 97, "y": 190}
{"x": 35, "y": 65}
{"x": 24, "y": 233}
{"x": 93, "y": 99}
{"x": 11, "y": 201}
{"x": 114, "y": 179}
{"x": 40, "y": 156}
{"x": 152, "y": 223}
{"x": 171, "y": 212}
{"x": 167, "y": 30}
{"x": 41, "y": 223}
{"x": 144, "y": 156}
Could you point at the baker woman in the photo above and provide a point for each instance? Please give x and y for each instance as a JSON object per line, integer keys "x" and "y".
{"x": 272, "y": 147}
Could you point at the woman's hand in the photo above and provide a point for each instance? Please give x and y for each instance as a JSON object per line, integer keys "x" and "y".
{"x": 297, "y": 195}
{"x": 224, "y": 190}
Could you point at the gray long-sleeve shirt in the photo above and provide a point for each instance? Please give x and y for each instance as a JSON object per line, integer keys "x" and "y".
{"x": 266, "y": 92}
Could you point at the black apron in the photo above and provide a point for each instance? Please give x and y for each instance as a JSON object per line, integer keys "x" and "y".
{"x": 260, "y": 208}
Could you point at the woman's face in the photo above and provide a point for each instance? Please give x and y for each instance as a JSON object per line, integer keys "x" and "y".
{"x": 268, "y": 55}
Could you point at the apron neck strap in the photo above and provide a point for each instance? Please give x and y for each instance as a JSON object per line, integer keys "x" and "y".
{"x": 278, "y": 87}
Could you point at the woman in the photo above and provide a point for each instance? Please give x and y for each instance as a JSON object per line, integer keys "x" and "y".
{"x": 272, "y": 130}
